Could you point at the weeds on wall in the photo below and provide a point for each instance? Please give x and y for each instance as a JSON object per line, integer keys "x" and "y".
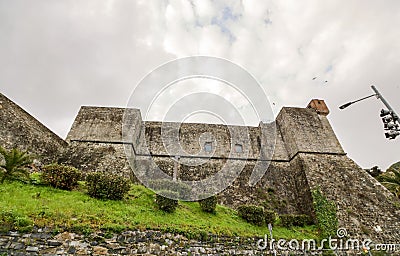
{"x": 325, "y": 211}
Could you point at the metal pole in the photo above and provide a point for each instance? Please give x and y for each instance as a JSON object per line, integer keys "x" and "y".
{"x": 384, "y": 101}
{"x": 272, "y": 239}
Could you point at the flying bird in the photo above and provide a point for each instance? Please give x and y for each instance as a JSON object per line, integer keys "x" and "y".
{"x": 314, "y": 78}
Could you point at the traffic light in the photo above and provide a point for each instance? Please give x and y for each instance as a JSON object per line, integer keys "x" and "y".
{"x": 390, "y": 124}
{"x": 385, "y": 112}
{"x": 387, "y": 119}
{"x": 392, "y": 134}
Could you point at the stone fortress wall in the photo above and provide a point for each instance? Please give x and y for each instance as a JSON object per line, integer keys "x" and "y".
{"x": 19, "y": 129}
{"x": 307, "y": 155}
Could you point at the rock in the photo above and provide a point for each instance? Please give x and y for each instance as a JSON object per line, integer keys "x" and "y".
{"x": 32, "y": 249}
{"x": 54, "y": 243}
{"x": 7, "y": 245}
{"x": 17, "y": 246}
{"x": 60, "y": 251}
{"x": 98, "y": 250}
{"x": 45, "y": 236}
{"x": 94, "y": 243}
{"x": 71, "y": 250}
{"x": 64, "y": 236}
{"x": 142, "y": 249}
{"x": 168, "y": 241}
{"x": 149, "y": 234}
{"x": 14, "y": 234}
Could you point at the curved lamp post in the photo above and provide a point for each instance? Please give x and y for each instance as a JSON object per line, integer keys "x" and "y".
{"x": 389, "y": 117}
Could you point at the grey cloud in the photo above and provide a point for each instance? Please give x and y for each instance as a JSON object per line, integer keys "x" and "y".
{"x": 59, "y": 55}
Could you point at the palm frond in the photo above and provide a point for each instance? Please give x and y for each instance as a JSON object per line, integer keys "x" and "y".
{"x": 391, "y": 180}
{"x": 390, "y": 186}
{"x": 3, "y": 151}
{"x": 397, "y": 174}
{"x": 15, "y": 164}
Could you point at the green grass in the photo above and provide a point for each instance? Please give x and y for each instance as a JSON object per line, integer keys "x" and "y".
{"x": 22, "y": 206}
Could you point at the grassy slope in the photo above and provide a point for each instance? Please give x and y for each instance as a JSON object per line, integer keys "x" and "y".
{"x": 75, "y": 211}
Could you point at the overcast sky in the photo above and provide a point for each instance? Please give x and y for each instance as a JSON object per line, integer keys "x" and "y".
{"x": 56, "y": 55}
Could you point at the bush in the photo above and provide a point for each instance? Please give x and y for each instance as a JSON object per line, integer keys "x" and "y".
{"x": 36, "y": 178}
{"x": 208, "y": 204}
{"x": 61, "y": 176}
{"x": 103, "y": 185}
{"x": 169, "y": 185}
{"x": 269, "y": 216}
{"x": 304, "y": 220}
{"x": 298, "y": 220}
{"x": 164, "y": 201}
{"x": 9, "y": 220}
{"x": 286, "y": 220}
{"x": 252, "y": 214}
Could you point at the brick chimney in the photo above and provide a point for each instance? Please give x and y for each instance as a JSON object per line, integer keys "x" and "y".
{"x": 319, "y": 106}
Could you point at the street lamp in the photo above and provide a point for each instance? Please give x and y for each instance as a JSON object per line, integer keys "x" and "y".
{"x": 352, "y": 102}
{"x": 389, "y": 117}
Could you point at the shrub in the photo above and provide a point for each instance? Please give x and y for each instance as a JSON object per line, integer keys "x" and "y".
{"x": 36, "y": 178}
{"x": 169, "y": 185}
{"x": 252, "y": 214}
{"x": 325, "y": 212}
{"x": 298, "y": 220}
{"x": 286, "y": 220}
{"x": 10, "y": 220}
{"x": 103, "y": 185}
{"x": 208, "y": 204}
{"x": 303, "y": 220}
{"x": 269, "y": 216}
{"x": 164, "y": 201}
{"x": 61, "y": 176}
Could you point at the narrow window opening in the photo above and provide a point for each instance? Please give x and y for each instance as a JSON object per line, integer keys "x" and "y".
{"x": 238, "y": 148}
{"x": 208, "y": 147}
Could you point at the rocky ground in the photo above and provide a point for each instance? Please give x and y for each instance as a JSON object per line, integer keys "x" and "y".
{"x": 149, "y": 242}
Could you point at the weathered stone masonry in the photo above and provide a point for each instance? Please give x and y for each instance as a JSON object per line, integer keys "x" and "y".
{"x": 20, "y": 129}
{"x": 307, "y": 155}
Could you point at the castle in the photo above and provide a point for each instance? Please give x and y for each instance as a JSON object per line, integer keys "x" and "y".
{"x": 306, "y": 155}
